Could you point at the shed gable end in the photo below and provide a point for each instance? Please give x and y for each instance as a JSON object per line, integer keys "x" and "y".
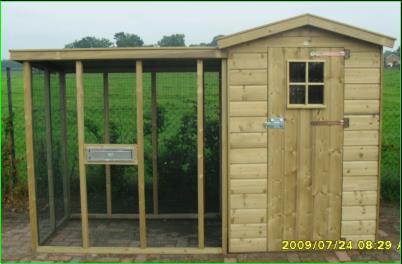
{"x": 305, "y": 20}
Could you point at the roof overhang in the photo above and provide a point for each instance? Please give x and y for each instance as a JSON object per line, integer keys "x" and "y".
{"x": 305, "y": 20}
{"x": 116, "y": 54}
{"x": 97, "y": 60}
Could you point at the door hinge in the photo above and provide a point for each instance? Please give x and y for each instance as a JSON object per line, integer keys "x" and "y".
{"x": 343, "y": 53}
{"x": 343, "y": 122}
{"x": 346, "y": 122}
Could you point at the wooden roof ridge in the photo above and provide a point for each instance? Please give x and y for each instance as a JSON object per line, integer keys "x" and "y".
{"x": 305, "y": 20}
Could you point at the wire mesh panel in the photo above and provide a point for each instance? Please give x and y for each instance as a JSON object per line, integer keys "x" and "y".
{"x": 94, "y": 134}
{"x": 123, "y": 130}
{"x": 212, "y": 157}
{"x": 69, "y": 233}
{"x": 119, "y": 97}
{"x": 39, "y": 144}
{"x": 177, "y": 142}
{"x": 212, "y": 141}
{"x": 17, "y": 102}
{"x": 176, "y": 95}
{"x": 177, "y": 158}
{"x": 56, "y": 141}
{"x": 54, "y": 223}
{"x": 72, "y": 144}
{"x": 148, "y": 151}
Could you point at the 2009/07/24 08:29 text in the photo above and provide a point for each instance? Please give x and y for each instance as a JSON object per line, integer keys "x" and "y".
{"x": 338, "y": 245}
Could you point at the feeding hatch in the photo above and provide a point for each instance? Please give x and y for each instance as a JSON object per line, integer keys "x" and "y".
{"x": 111, "y": 154}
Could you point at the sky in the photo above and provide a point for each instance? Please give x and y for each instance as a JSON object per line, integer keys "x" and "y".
{"x": 52, "y": 25}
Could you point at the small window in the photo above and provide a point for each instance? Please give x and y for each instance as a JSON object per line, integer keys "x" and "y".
{"x": 306, "y": 84}
{"x": 297, "y": 72}
{"x": 315, "y": 94}
{"x": 316, "y": 72}
{"x": 297, "y": 94}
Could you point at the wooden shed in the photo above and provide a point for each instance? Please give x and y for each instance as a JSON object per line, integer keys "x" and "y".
{"x": 299, "y": 138}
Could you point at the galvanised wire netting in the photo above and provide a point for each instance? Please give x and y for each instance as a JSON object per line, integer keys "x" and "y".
{"x": 20, "y": 188}
{"x": 40, "y": 161}
{"x": 176, "y": 103}
{"x": 122, "y": 130}
{"x": 169, "y": 89}
{"x": 48, "y": 164}
{"x": 177, "y": 150}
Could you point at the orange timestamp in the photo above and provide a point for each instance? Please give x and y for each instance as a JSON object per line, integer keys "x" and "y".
{"x": 339, "y": 245}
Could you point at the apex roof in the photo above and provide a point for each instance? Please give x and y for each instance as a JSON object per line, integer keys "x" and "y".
{"x": 305, "y": 20}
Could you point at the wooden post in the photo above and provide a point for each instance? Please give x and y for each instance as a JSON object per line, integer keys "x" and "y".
{"x": 140, "y": 154}
{"x": 224, "y": 149}
{"x": 200, "y": 151}
{"x": 107, "y": 141}
{"x": 79, "y": 71}
{"x": 49, "y": 149}
{"x": 154, "y": 144}
{"x": 12, "y": 140}
{"x": 29, "y": 152}
{"x": 63, "y": 143}
{"x": 220, "y": 137}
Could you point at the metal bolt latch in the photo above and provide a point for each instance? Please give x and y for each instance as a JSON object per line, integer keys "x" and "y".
{"x": 274, "y": 122}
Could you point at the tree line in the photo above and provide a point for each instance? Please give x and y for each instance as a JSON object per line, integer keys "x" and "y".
{"x": 123, "y": 39}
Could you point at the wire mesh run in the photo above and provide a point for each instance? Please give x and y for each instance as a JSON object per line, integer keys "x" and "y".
{"x": 110, "y": 117}
{"x": 56, "y": 176}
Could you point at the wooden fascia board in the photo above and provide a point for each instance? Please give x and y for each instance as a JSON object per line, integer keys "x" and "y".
{"x": 261, "y": 32}
{"x": 305, "y": 20}
{"x": 351, "y": 31}
{"x": 106, "y": 54}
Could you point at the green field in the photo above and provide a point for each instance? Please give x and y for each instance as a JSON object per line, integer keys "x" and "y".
{"x": 176, "y": 101}
{"x": 390, "y": 158}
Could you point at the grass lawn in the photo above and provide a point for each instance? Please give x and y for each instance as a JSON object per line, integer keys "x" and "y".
{"x": 175, "y": 98}
{"x": 390, "y": 158}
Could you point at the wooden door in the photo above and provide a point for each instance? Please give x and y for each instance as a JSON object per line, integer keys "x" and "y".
{"x": 304, "y": 158}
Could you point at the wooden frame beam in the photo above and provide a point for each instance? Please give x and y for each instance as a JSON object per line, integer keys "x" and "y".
{"x": 81, "y": 139}
{"x": 154, "y": 143}
{"x": 107, "y": 141}
{"x": 30, "y": 154}
{"x": 46, "y": 66}
{"x": 116, "y": 53}
{"x": 149, "y": 216}
{"x": 63, "y": 143}
{"x": 129, "y": 250}
{"x": 224, "y": 154}
{"x": 49, "y": 149}
{"x": 140, "y": 154}
{"x": 200, "y": 151}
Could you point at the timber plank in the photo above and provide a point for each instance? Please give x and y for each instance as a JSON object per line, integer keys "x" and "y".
{"x": 248, "y": 93}
{"x": 359, "y": 198}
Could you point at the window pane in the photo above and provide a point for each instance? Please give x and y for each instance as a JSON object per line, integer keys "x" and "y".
{"x": 316, "y": 94}
{"x": 316, "y": 72}
{"x": 297, "y": 94}
{"x": 297, "y": 71}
